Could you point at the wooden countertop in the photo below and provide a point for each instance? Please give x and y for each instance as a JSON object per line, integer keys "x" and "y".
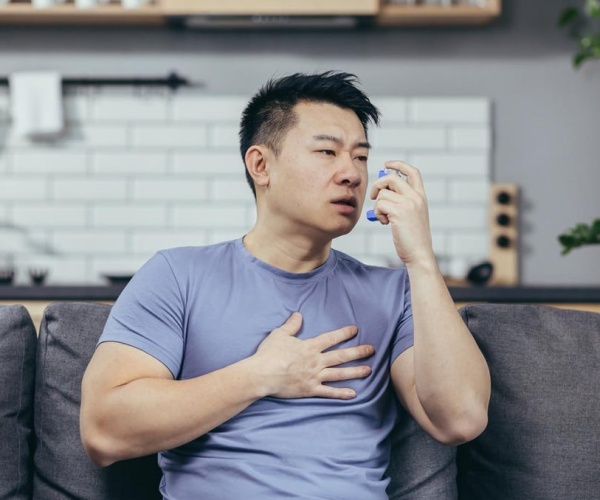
{"x": 497, "y": 294}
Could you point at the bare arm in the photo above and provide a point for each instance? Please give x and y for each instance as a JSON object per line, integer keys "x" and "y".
{"x": 443, "y": 380}
{"x": 131, "y": 406}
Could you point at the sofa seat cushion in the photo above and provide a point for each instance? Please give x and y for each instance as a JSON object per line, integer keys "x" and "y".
{"x": 543, "y": 436}
{"x": 420, "y": 467}
{"x": 67, "y": 340}
{"x": 17, "y": 372}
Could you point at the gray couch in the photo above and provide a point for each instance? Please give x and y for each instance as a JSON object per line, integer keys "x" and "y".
{"x": 542, "y": 441}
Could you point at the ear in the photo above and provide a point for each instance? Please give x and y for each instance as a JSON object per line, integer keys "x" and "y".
{"x": 256, "y": 163}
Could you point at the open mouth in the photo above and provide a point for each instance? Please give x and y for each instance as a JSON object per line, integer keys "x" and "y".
{"x": 348, "y": 201}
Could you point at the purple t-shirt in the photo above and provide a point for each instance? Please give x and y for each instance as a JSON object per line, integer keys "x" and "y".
{"x": 198, "y": 309}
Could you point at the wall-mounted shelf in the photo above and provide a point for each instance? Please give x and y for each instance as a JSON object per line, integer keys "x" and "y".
{"x": 430, "y": 15}
{"x": 272, "y": 7}
{"x": 158, "y": 12}
{"x": 23, "y": 12}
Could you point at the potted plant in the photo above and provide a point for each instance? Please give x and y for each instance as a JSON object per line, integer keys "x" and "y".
{"x": 584, "y": 27}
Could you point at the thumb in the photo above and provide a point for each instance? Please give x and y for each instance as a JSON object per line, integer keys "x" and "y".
{"x": 292, "y": 324}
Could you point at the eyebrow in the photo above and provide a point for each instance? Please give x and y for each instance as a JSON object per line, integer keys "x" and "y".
{"x": 337, "y": 140}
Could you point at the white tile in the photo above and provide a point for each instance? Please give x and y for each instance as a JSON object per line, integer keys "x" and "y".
{"x": 477, "y": 138}
{"x": 219, "y": 235}
{"x": 129, "y": 215}
{"x": 128, "y": 163}
{"x": 49, "y": 162}
{"x": 409, "y": 138}
{"x": 76, "y": 108}
{"x": 377, "y": 161}
{"x": 393, "y": 109}
{"x": 463, "y": 217}
{"x": 209, "y": 163}
{"x": 151, "y": 241}
{"x": 469, "y": 191}
{"x": 232, "y": 188}
{"x": 20, "y": 188}
{"x": 165, "y": 189}
{"x": 209, "y": 216}
{"x": 449, "y": 110}
{"x": 169, "y": 136}
{"x": 4, "y": 162}
{"x": 91, "y": 136}
{"x": 436, "y": 191}
{"x": 129, "y": 109}
{"x": 89, "y": 241}
{"x": 88, "y": 189}
{"x": 450, "y": 164}
{"x": 208, "y": 108}
{"x": 46, "y": 215}
{"x": 223, "y": 137}
{"x": 468, "y": 243}
{"x": 62, "y": 269}
{"x": 4, "y": 109}
{"x": 352, "y": 243}
{"x": 12, "y": 241}
{"x": 381, "y": 242}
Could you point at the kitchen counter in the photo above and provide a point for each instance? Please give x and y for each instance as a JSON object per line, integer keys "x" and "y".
{"x": 558, "y": 295}
{"x": 36, "y": 298}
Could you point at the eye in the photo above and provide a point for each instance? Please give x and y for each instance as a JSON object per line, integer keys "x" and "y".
{"x": 362, "y": 159}
{"x": 327, "y": 152}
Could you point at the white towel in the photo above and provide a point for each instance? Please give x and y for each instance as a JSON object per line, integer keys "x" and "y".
{"x": 36, "y": 104}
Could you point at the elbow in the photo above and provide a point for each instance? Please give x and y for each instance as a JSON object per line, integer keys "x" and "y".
{"x": 97, "y": 446}
{"x": 464, "y": 429}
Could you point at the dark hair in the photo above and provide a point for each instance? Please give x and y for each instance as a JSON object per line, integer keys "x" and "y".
{"x": 270, "y": 113}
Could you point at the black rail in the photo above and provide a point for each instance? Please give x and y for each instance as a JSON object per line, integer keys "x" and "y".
{"x": 173, "y": 81}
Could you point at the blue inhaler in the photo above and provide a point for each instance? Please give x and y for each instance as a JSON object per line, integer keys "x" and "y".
{"x": 371, "y": 213}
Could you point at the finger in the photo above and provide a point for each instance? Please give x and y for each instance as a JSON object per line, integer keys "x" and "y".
{"x": 326, "y": 391}
{"x": 413, "y": 175}
{"x": 292, "y": 324}
{"x": 347, "y": 373}
{"x": 390, "y": 182}
{"x": 333, "y": 338}
{"x": 341, "y": 356}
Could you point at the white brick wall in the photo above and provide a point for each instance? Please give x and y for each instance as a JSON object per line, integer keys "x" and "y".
{"x": 135, "y": 173}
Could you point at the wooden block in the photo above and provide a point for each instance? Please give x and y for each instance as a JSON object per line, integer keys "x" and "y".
{"x": 504, "y": 234}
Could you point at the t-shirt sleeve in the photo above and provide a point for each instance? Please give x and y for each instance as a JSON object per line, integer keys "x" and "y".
{"x": 404, "y": 335}
{"x": 149, "y": 314}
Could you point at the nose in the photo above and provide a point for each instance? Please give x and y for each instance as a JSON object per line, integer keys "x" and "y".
{"x": 348, "y": 172}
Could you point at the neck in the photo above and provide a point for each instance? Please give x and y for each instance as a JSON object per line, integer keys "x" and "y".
{"x": 294, "y": 253}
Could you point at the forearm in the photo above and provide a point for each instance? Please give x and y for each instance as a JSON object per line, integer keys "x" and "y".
{"x": 153, "y": 414}
{"x": 452, "y": 379}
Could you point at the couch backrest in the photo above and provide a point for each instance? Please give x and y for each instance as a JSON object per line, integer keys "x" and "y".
{"x": 67, "y": 340}
{"x": 17, "y": 371}
{"x": 543, "y": 437}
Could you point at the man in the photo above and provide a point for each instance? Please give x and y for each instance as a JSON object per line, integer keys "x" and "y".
{"x": 260, "y": 368}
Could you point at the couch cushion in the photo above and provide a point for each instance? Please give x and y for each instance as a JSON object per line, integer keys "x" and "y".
{"x": 543, "y": 436}
{"x": 17, "y": 373}
{"x": 67, "y": 340}
{"x": 420, "y": 467}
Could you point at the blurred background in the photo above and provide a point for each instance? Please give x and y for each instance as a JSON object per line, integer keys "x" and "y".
{"x": 482, "y": 96}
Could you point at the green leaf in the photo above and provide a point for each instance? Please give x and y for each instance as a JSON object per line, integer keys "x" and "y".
{"x": 592, "y": 8}
{"x": 568, "y": 16}
{"x": 580, "y": 58}
{"x": 580, "y": 235}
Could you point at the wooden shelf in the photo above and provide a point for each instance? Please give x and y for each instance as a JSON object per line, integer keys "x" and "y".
{"x": 24, "y": 13}
{"x": 272, "y": 7}
{"x": 156, "y": 13}
{"x": 429, "y": 15}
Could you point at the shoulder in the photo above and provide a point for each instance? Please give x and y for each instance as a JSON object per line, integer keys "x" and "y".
{"x": 184, "y": 257}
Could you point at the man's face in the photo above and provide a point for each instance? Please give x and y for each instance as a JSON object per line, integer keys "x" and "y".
{"x": 318, "y": 181}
